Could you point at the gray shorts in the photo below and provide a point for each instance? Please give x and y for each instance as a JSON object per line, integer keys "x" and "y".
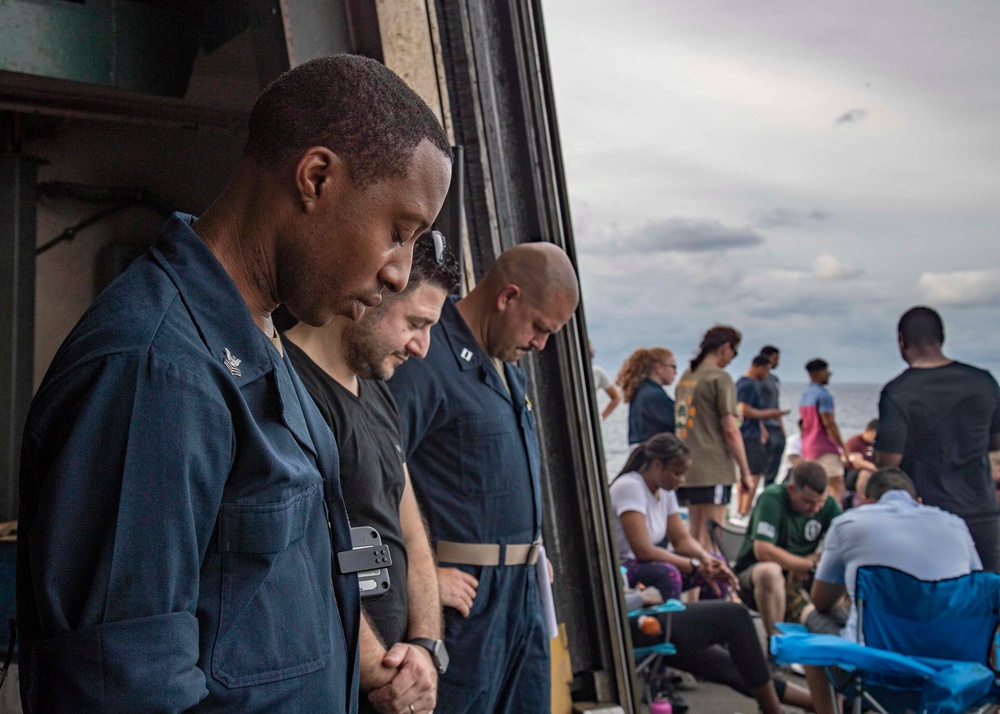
{"x": 830, "y": 623}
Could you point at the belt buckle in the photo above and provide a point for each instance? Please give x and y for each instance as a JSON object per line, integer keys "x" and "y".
{"x": 533, "y": 552}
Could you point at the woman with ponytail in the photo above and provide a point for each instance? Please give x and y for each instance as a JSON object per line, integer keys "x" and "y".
{"x": 708, "y": 422}
{"x": 644, "y": 501}
{"x": 715, "y": 639}
{"x": 642, "y": 378}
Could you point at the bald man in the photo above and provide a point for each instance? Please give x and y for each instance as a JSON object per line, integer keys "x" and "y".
{"x": 474, "y": 460}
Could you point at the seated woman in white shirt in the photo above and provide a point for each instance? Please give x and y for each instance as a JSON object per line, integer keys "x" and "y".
{"x": 715, "y": 640}
{"x": 644, "y": 501}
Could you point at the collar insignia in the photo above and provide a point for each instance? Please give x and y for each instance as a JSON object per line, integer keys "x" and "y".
{"x": 232, "y": 363}
{"x": 466, "y": 354}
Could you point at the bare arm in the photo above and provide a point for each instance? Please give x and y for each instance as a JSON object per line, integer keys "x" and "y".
{"x": 637, "y": 533}
{"x": 769, "y": 552}
{"x": 750, "y": 412}
{"x": 682, "y": 540}
{"x": 734, "y": 443}
{"x": 373, "y": 673}
{"x": 616, "y": 398}
{"x": 414, "y": 677}
{"x": 858, "y": 461}
{"x": 712, "y": 568}
{"x": 825, "y": 596}
{"x": 422, "y": 585}
{"x": 830, "y": 424}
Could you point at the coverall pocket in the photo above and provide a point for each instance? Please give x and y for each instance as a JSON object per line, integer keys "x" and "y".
{"x": 271, "y": 614}
{"x": 484, "y": 448}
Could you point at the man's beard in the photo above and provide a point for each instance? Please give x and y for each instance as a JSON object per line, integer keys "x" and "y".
{"x": 365, "y": 353}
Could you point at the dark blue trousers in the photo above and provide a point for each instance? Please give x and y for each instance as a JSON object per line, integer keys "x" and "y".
{"x": 500, "y": 652}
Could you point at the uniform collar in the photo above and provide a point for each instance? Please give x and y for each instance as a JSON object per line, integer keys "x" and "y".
{"x": 211, "y": 297}
{"x": 470, "y": 356}
{"x": 897, "y": 498}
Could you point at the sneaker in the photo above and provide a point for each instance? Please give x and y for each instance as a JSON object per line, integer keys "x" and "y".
{"x": 740, "y": 521}
{"x": 683, "y": 681}
{"x": 796, "y": 668}
{"x": 677, "y": 703}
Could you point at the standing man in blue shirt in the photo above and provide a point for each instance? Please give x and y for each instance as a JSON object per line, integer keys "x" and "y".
{"x": 770, "y": 394}
{"x": 755, "y": 434}
{"x": 472, "y": 450}
{"x": 180, "y": 494}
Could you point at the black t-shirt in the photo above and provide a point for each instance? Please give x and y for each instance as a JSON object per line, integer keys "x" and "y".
{"x": 371, "y": 474}
{"x": 941, "y": 420}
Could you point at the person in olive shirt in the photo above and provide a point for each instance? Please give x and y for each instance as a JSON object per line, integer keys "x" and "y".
{"x": 707, "y": 422}
{"x": 781, "y": 548}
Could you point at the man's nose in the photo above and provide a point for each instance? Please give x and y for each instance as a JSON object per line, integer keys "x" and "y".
{"x": 395, "y": 274}
{"x": 538, "y": 343}
{"x": 419, "y": 345}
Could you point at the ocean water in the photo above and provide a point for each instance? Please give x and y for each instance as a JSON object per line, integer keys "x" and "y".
{"x": 855, "y": 405}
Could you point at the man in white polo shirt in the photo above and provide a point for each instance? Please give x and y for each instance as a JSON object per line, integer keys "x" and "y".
{"x": 891, "y": 528}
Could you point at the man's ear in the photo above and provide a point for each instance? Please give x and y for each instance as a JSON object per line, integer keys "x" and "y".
{"x": 508, "y": 294}
{"x": 317, "y": 172}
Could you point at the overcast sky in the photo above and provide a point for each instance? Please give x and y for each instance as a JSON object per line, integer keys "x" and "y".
{"x": 802, "y": 171}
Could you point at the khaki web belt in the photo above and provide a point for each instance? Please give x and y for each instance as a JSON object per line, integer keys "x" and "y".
{"x": 487, "y": 553}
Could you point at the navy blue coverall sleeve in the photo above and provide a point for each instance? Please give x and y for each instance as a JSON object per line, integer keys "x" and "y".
{"x": 128, "y": 487}
{"x": 420, "y": 402}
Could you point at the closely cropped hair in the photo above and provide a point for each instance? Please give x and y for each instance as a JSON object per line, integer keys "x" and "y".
{"x": 761, "y": 361}
{"x": 768, "y": 350}
{"x": 815, "y": 365}
{"x": 714, "y": 339}
{"x": 921, "y": 326}
{"x": 354, "y": 106}
{"x": 889, "y": 479}
{"x": 811, "y": 475}
{"x": 638, "y": 366}
{"x": 426, "y": 269}
{"x": 872, "y": 425}
{"x": 665, "y": 448}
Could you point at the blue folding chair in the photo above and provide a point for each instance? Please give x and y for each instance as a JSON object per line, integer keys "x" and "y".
{"x": 923, "y": 646}
{"x": 648, "y": 660}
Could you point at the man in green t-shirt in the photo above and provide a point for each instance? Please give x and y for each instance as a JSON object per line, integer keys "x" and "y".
{"x": 780, "y": 552}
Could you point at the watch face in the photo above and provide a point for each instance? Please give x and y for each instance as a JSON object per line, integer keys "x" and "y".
{"x": 440, "y": 657}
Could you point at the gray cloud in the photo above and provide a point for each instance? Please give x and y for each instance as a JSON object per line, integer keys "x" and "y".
{"x": 783, "y": 217}
{"x": 682, "y": 235}
{"x": 855, "y": 115}
{"x": 961, "y": 288}
{"x": 810, "y": 306}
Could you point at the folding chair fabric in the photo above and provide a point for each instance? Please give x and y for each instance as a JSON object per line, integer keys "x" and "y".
{"x": 931, "y": 636}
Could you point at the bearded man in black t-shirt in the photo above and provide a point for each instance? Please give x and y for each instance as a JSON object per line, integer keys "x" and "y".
{"x": 344, "y": 366}
{"x": 938, "y": 421}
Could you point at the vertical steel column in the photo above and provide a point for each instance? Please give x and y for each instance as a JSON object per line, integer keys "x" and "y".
{"x": 18, "y": 176}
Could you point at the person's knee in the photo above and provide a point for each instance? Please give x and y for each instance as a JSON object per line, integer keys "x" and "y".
{"x": 768, "y": 579}
{"x": 806, "y": 611}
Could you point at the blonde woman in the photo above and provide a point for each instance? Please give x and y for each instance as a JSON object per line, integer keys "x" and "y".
{"x": 642, "y": 378}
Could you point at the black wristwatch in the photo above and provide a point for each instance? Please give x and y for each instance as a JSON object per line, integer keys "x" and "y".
{"x": 695, "y": 563}
{"x": 439, "y": 653}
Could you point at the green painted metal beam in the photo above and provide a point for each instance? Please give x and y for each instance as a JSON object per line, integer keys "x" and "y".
{"x": 137, "y": 46}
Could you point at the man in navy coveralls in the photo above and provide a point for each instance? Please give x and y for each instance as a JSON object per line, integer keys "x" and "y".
{"x": 180, "y": 494}
{"x": 474, "y": 459}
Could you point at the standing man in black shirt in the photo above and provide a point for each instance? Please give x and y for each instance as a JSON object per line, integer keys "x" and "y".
{"x": 938, "y": 421}
{"x": 344, "y": 366}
